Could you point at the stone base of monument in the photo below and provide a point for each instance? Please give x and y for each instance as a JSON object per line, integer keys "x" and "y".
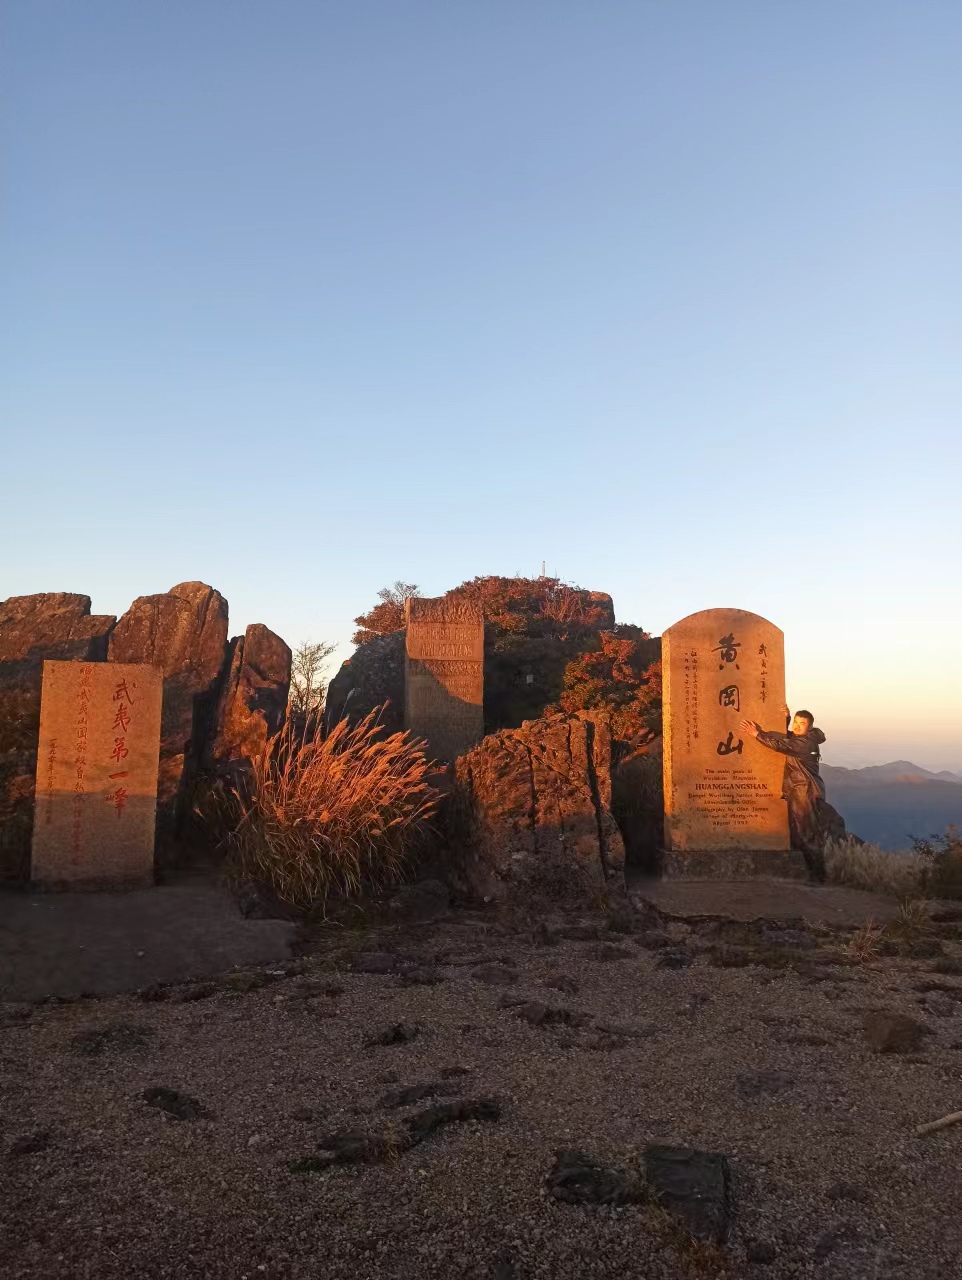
{"x": 732, "y": 864}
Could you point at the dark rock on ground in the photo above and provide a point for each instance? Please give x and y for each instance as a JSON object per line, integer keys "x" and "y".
{"x": 495, "y": 975}
{"x": 454, "y": 1072}
{"x": 893, "y": 1032}
{"x": 764, "y": 1084}
{"x": 417, "y": 1093}
{"x": 30, "y": 1143}
{"x": 847, "y": 1191}
{"x": 181, "y": 1106}
{"x": 115, "y": 1037}
{"x": 562, "y": 982}
{"x": 421, "y": 976}
{"x": 542, "y": 1015}
{"x": 761, "y": 1252}
{"x": 537, "y": 802}
{"x": 577, "y": 1179}
{"x": 693, "y": 1187}
{"x": 609, "y": 951}
{"x": 673, "y": 960}
{"x": 503, "y": 1267}
{"x": 399, "y": 1033}
{"x": 424, "y": 1123}
{"x": 253, "y": 699}
{"x": 54, "y": 625}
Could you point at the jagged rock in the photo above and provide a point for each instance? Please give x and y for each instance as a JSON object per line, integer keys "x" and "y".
{"x": 372, "y": 677}
{"x": 253, "y": 700}
{"x": 538, "y": 805}
{"x": 53, "y": 625}
{"x": 893, "y": 1032}
{"x": 576, "y": 1178}
{"x": 692, "y": 1186}
{"x": 184, "y": 633}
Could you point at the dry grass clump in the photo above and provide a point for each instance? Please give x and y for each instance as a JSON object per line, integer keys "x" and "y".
{"x": 866, "y": 866}
{"x": 330, "y": 815}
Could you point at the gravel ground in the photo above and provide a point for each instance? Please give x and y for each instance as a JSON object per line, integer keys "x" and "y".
{"x": 768, "y": 1065}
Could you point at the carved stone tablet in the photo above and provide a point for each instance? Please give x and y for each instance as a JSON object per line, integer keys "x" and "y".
{"x": 444, "y": 674}
{"x": 722, "y": 790}
{"x": 96, "y": 797}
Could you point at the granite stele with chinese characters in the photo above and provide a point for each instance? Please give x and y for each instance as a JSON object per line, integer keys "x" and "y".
{"x": 722, "y": 790}
{"x": 444, "y": 674}
{"x": 97, "y": 774}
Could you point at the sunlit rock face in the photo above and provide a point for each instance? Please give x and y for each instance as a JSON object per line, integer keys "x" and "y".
{"x": 50, "y": 625}
{"x": 538, "y": 802}
{"x": 184, "y": 632}
{"x": 253, "y": 698}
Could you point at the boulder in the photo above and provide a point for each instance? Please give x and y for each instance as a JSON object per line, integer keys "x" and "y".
{"x": 372, "y": 677}
{"x": 184, "y": 633}
{"x": 537, "y": 803}
{"x": 53, "y": 625}
{"x": 253, "y": 699}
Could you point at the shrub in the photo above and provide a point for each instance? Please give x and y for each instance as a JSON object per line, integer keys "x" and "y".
{"x": 330, "y": 815}
{"x": 866, "y": 866}
{"x": 945, "y": 853}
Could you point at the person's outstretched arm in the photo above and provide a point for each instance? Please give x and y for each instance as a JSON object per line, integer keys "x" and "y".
{"x": 786, "y": 743}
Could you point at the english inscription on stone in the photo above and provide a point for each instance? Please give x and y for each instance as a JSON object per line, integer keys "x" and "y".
{"x": 444, "y": 675}
{"x": 96, "y": 797}
{"x": 721, "y": 666}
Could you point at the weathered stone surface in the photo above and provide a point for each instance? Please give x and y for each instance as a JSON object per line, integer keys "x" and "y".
{"x": 253, "y": 699}
{"x": 694, "y": 1187}
{"x": 722, "y": 666}
{"x": 893, "y": 1032}
{"x": 97, "y": 775}
{"x": 444, "y": 674}
{"x": 538, "y": 802}
{"x": 185, "y": 634}
{"x": 52, "y": 625}
{"x": 372, "y": 678}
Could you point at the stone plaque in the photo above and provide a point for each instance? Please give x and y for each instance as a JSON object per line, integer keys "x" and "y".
{"x": 722, "y": 789}
{"x": 96, "y": 797}
{"x": 444, "y": 675}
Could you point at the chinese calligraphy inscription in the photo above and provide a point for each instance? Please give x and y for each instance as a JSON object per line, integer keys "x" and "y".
{"x": 444, "y": 675}
{"x": 97, "y": 774}
{"x": 719, "y": 796}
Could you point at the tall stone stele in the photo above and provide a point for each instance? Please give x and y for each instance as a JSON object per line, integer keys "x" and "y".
{"x": 724, "y": 812}
{"x": 96, "y": 791}
{"x": 444, "y": 674}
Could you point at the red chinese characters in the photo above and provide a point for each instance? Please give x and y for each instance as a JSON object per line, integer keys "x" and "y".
{"x": 124, "y": 700}
{"x": 80, "y": 762}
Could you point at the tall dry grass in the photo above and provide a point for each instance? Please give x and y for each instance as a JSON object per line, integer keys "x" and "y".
{"x": 323, "y": 816}
{"x": 866, "y": 866}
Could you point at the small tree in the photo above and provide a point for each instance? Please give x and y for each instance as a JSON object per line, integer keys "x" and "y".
{"x": 308, "y": 685}
{"x": 387, "y": 616}
{"x": 622, "y": 677}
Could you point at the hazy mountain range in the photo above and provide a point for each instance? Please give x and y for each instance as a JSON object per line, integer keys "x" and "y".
{"x": 890, "y": 803}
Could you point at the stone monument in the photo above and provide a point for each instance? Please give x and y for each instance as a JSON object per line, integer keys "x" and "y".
{"x": 96, "y": 797}
{"x": 444, "y": 674}
{"x": 724, "y": 812}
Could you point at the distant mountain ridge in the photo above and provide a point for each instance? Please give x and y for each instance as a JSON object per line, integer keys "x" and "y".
{"x": 883, "y": 774}
{"x": 890, "y": 804}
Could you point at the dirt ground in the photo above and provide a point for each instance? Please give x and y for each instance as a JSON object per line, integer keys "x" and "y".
{"x": 255, "y": 1125}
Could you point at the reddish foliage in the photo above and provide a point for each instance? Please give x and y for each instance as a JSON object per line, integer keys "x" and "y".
{"x": 621, "y": 677}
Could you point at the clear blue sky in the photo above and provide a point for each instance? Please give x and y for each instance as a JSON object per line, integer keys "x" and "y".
{"x": 303, "y": 297}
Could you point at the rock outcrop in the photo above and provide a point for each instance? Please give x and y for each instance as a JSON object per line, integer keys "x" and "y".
{"x": 253, "y": 699}
{"x": 538, "y": 807}
{"x": 184, "y": 632}
{"x": 373, "y": 677}
{"x": 53, "y": 625}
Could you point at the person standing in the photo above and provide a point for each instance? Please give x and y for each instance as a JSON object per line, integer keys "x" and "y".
{"x": 802, "y": 785}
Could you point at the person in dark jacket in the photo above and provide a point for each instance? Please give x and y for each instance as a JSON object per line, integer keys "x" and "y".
{"x": 802, "y": 785}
